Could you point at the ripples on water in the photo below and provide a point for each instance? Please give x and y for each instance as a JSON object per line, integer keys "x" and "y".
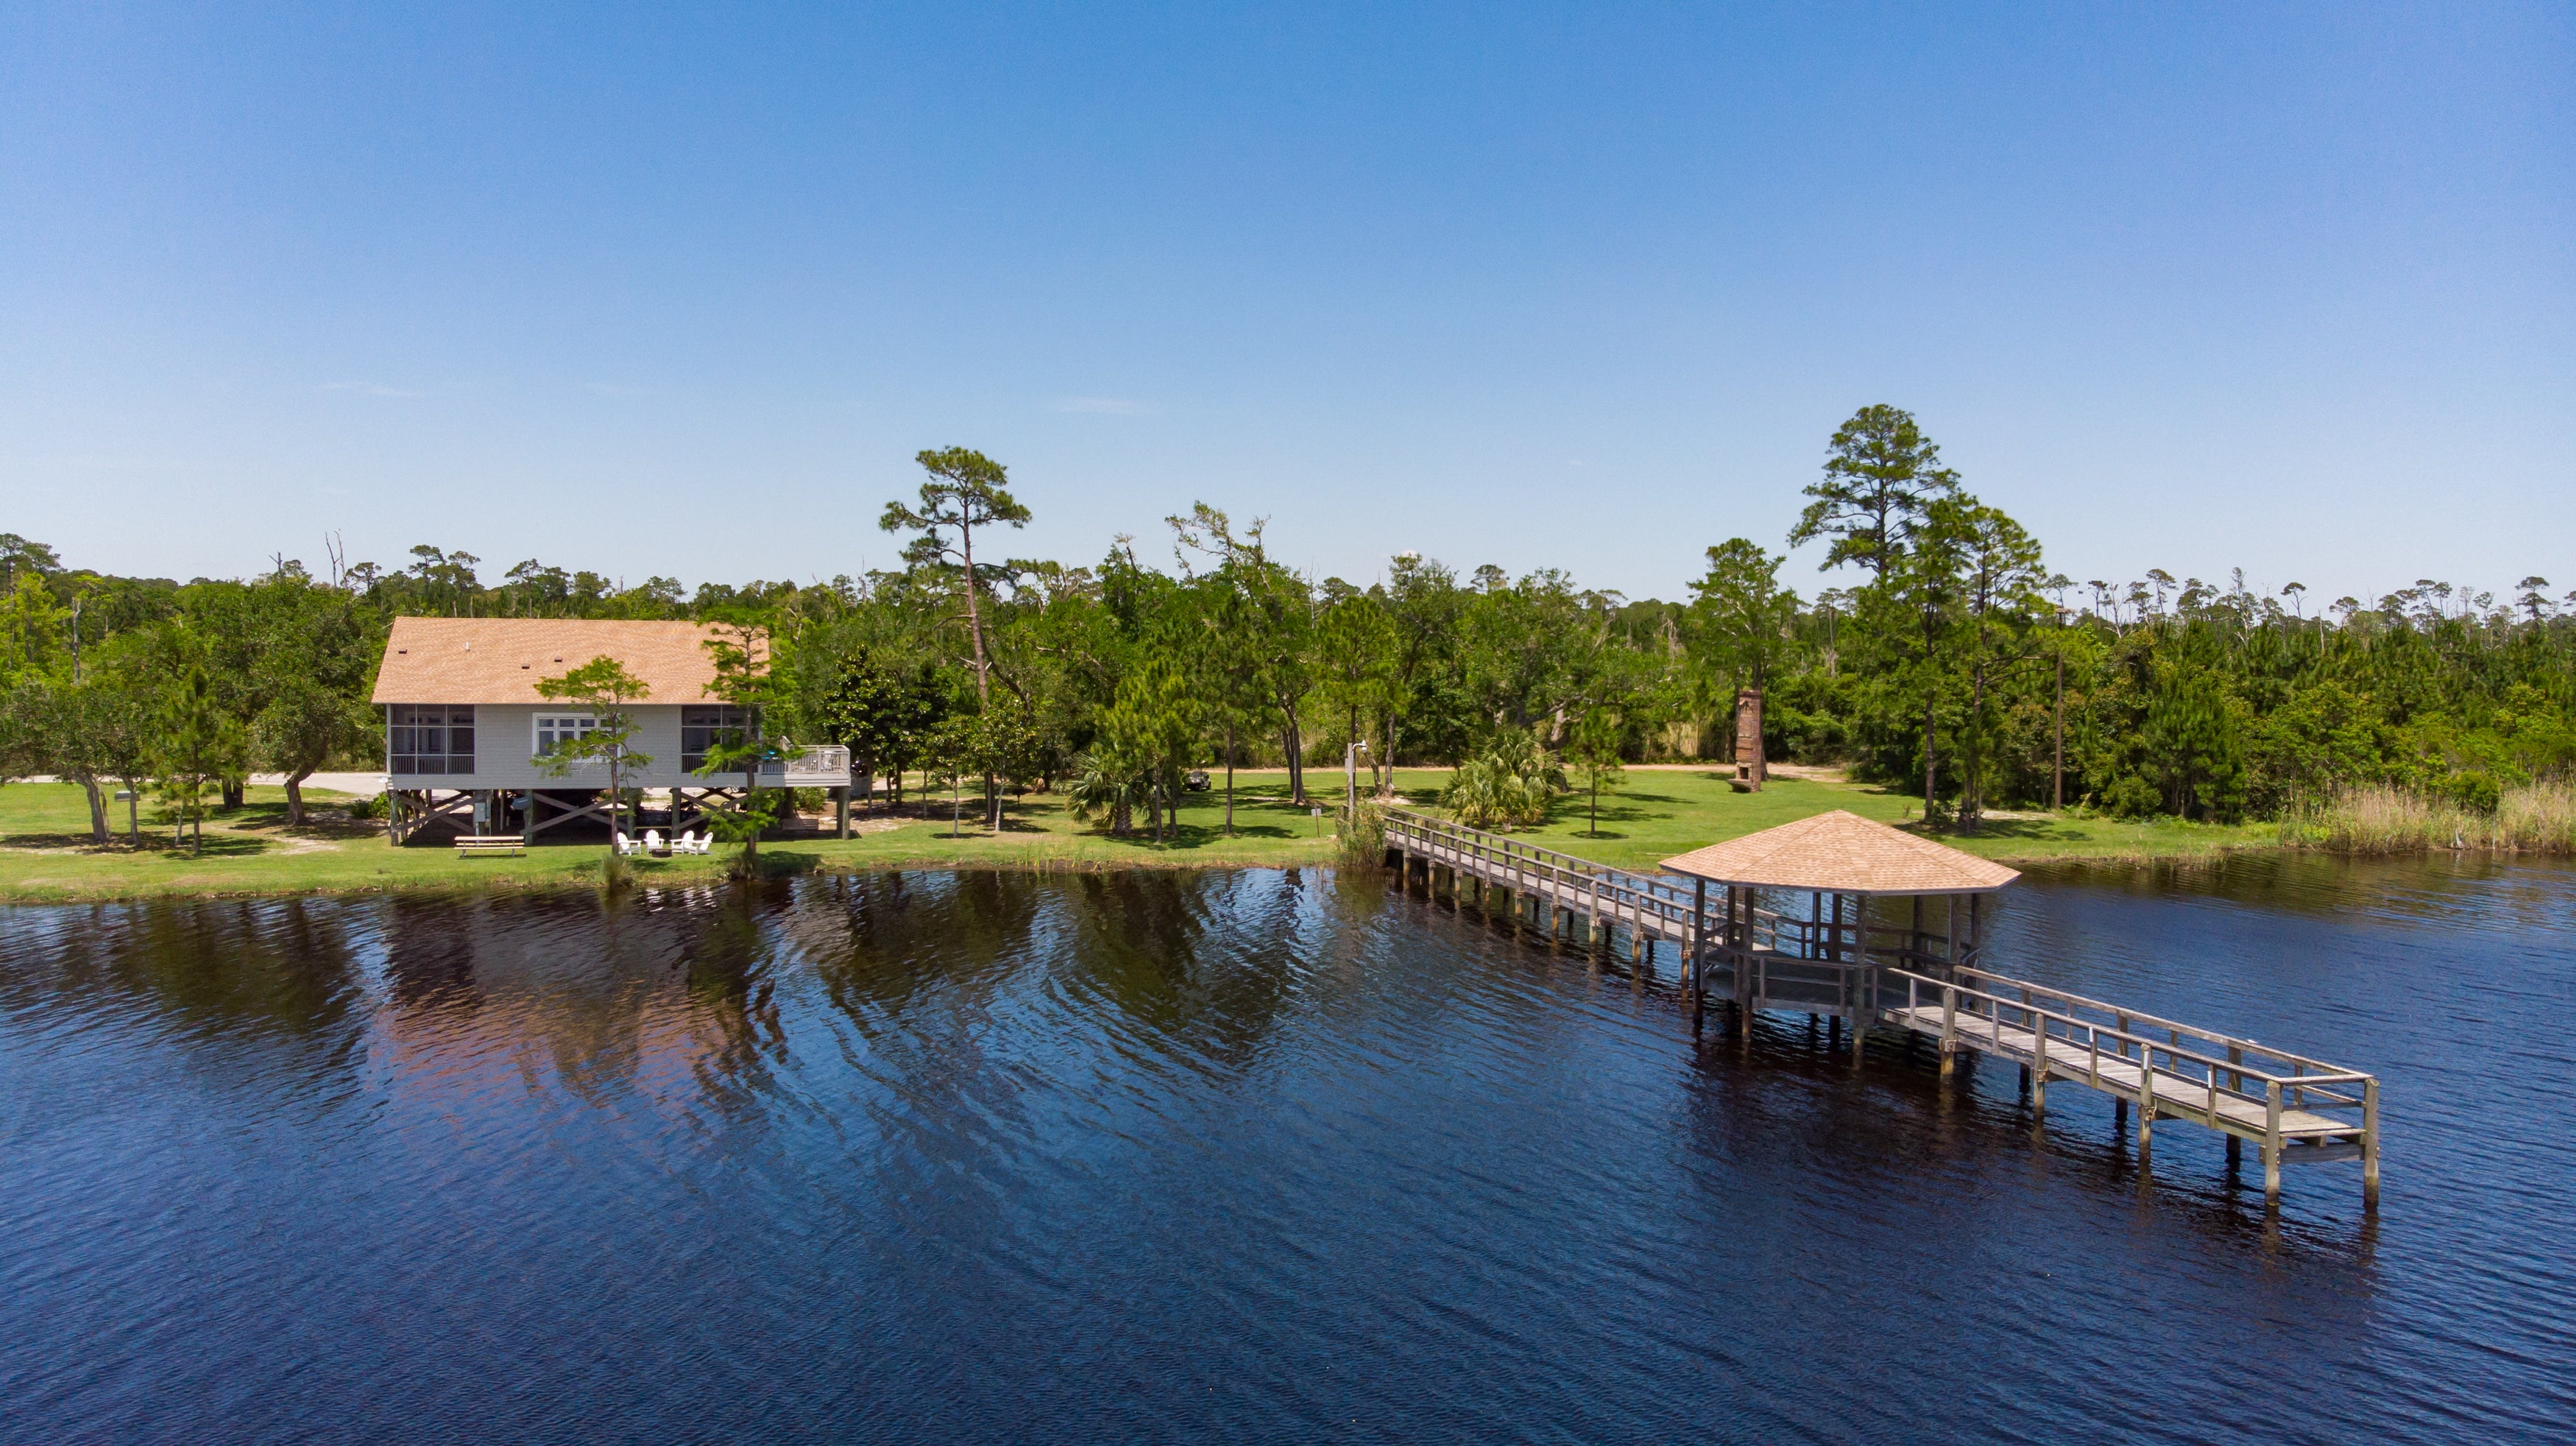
{"x": 1157, "y": 1156}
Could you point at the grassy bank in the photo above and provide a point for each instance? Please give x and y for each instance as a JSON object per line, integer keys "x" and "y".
{"x": 45, "y": 853}
{"x": 1663, "y": 812}
{"x": 2536, "y": 818}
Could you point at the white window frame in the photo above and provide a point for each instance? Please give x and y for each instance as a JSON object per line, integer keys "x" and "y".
{"x": 563, "y": 726}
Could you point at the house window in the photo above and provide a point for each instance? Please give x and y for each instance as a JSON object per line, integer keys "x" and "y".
{"x": 703, "y": 726}
{"x": 430, "y": 738}
{"x": 556, "y": 729}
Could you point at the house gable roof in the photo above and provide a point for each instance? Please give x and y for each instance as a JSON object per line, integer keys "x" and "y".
{"x": 1843, "y": 853}
{"x": 500, "y": 660}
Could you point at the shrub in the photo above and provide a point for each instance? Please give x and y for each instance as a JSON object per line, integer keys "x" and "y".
{"x": 1512, "y": 783}
{"x": 2476, "y": 792}
{"x": 1362, "y": 842}
{"x": 2131, "y": 797}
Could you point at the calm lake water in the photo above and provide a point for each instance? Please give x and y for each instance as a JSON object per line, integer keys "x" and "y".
{"x": 1242, "y": 1155}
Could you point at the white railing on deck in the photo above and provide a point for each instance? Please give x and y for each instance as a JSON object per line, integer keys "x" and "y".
{"x": 821, "y": 759}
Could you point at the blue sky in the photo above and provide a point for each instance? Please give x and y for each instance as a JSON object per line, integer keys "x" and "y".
{"x": 2291, "y": 288}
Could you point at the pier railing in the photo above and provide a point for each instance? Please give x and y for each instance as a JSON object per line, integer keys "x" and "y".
{"x": 1656, "y": 905}
{"x": 2219, "y": 1080}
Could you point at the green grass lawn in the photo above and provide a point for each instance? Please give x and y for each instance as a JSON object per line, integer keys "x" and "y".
{"x": 45, "y": 853}
{"x": 1659, "y": 813}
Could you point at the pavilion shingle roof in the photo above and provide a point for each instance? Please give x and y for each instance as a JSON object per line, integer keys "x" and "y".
{"x": 1843, "y": 853}
{"x": 499, "y": 660}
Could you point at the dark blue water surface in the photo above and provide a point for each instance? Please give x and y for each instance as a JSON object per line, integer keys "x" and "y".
{"x": 1242, "y": 1155}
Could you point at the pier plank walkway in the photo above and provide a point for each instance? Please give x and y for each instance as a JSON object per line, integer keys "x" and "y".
{"x": 1926, "y": 983}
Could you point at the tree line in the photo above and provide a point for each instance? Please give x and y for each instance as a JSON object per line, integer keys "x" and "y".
{"x": 1956, "y": 666}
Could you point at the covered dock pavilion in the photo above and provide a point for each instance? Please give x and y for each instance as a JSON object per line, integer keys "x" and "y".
{"x": 1826, "y": 963}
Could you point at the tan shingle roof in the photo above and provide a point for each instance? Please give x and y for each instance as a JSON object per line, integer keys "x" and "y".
{"x": 499, "y": 660}
{"x": 1843, "y": 853}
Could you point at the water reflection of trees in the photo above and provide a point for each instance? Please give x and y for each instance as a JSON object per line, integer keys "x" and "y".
{"x": 283, "y": 967}
{"x": 919, "y": 963}
{"x": 597, "y": 993}
{"x": 1206, "y": 962}
{"x": 979, "y": 1013}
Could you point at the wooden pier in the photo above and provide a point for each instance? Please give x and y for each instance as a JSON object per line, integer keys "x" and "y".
{"x": 1915, "y": 974}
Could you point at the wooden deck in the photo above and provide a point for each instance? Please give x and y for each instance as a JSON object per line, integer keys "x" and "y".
{"x": 1923, "y": 981}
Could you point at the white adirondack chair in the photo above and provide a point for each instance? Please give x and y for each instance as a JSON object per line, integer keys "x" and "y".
{"x": 653, "y": 841}
{"x": 625, "y": 845}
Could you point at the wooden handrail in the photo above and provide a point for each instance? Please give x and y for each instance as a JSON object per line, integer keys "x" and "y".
{"x": 2035, "y": 1018}
{"x": 2149, "y": 1019}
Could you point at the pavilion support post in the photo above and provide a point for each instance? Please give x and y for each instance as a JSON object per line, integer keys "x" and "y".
{"x": 1698, "y": 953}
{"x": 1732, "y": 947}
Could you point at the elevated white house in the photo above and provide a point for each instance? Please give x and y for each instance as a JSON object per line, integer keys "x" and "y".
{"x": 465, "y": 724}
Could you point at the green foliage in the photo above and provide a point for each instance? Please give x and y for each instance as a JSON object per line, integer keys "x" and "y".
{"x": 1881, "y": 475}
{"x": 965, "y": 492}
{"x": 2130, "y": 796}
{"x": 191, "y": 758}
{"x": 1594, "y": 747}
{"x": 2478, "y": 793}
{"x": 1934, "y": 671}
{"x": 603, "y": 688}
{"x": 1511, "y": 784}
{"x": 1355, "y": 650}
{"x": 1362, "y": 840}
{"x": 1745, "y": 619}
{"x": 869, "y": 710}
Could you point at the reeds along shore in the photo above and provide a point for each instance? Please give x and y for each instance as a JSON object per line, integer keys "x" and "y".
{"x": 2533, "y": 818}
